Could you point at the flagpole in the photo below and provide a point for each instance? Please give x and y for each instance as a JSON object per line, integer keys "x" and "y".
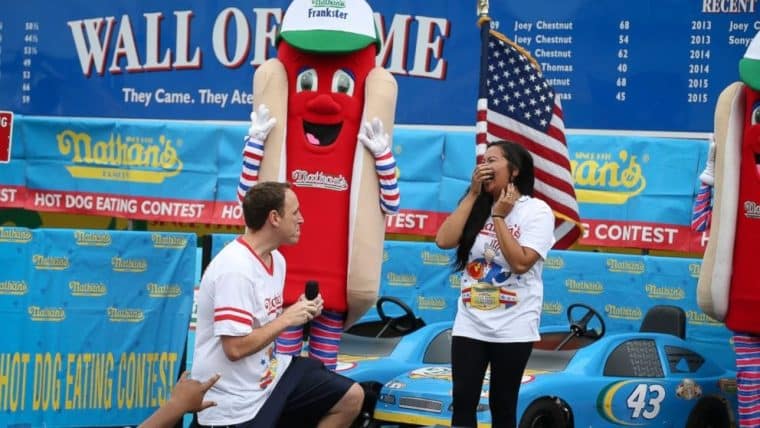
{"x": 481, "y": 137}
{"x": 482, "y": 8}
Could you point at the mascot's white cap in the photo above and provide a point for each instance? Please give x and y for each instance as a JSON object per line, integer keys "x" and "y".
{"x": 329, "y": 26}
{"x": 749, "y": 66}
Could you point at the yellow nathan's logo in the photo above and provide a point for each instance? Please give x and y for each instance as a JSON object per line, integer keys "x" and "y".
{"x": 42, "y": 262}
{"x": 37, "y": 313}
{"x": 168, "y": 241}
{"x": 131, "y": 159}
{"x": 600, "y": 179}
{"x": 658, "y": 292}
{"x": 623, "y": 312}
{"x": 161, "y": 290}
{"x": 401, "y": 280}
{"x": 455, "y": 280}
{"x": 13, "y": 288}
{"x": 15, "y": 235}
{"x": 701, "y": 318}
{"x": 92, "y": 239}
{"x": 554, "y": 262}
{"x": 434, "y": 259}
{"x": 584, "y": 287}
{"x": 552, "y": 308}
{"x": 436, "y": 303}
{"x": 625, "y": 266}
{"x": 87, "y": 289}
{"x": 128, "y": 265}
{"x": 125, "y": 315}
{"x": 695, "y": 269}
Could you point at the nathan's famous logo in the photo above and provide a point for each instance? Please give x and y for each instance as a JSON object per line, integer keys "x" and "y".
{"x": 96, "y": 239}
{"x": 37, "y": 313}
{"x": 436, "y": 303}
{"x": 625, "y": 266}
{"x": 13, "y": 288}
{"x": 163, "y": 290}
{"x": 318, "y": 179}
{"x": 50, "y": 262}
{"x": 455, "y": 280}
{"x": 623, "y": 312}
{"x": 401, "y": 279}
{"x": 87, "y": 289}
{"x": 751, "y": 209}
{"x": 135, "y": 159}
{"x": 168, "y": 241}
{"x": 600, "y": 179}
{"x": 584, "y": 287}
{"x": 128, "y": 265}
{"x": 15, "y": 235}
{"x": 554, "y": 262}
{"x": 124, "y": 315}
{"x": 701, "y": 318}
{"x": 552, "y": 308}
{"x": 694, "y": 269}
{"x": 435, "y": 259}
{"x": 655, "y": 291}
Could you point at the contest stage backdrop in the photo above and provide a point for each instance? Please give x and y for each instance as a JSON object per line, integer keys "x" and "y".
{"x": 95, "y": 324}
{"x": 633, "y": 191}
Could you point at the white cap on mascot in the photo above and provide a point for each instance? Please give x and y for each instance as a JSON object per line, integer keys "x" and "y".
{"x": 749, "y": 66}
{"x": 329, "y": 26}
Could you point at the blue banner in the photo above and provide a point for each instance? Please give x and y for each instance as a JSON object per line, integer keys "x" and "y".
{"x": 99, "y": 324}
{"x": 651, "y": 65}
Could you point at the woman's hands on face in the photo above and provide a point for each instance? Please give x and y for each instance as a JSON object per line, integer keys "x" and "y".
{"x": 483, "y": 172}
{"x": 506, "y": 201}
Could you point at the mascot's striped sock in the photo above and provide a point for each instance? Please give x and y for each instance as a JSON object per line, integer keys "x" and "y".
{"x": 748, "y": 379}
{"x": 702, "y": 211}
{"x": 290, "y": 341}
{"x": 324, "y": 337}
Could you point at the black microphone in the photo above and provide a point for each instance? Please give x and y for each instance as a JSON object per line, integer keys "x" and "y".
{"x": 312, "y": 289}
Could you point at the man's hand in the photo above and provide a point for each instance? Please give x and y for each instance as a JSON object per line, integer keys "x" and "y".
{"x": 302, "y": 311}
{"x": 188, "y": 393}
{"x": 373, "y": 137}
{"x": 261, "y": 123}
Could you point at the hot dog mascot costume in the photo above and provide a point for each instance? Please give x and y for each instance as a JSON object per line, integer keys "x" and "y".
{"x": 321, "y": 119}
{"x": 729, "y": 288}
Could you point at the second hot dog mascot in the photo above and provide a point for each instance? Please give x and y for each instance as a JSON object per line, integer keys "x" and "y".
{"x": 322, "y": 118}
{"x": 728, "y": 288}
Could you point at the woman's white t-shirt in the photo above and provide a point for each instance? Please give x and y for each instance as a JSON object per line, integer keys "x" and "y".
{"x": 495, "y": 304}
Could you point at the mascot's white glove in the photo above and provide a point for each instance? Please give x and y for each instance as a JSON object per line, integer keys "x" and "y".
{"x": 708, "y": 175}
{"x": 373, "y": 137}
{"x": 261, "y": 123}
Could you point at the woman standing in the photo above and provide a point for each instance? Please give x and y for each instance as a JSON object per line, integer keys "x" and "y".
{"x": 502, "y": 235}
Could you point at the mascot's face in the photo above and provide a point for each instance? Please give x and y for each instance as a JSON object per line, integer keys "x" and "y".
{"x": 751, "y": 140}
{"x": 325, "y": 96}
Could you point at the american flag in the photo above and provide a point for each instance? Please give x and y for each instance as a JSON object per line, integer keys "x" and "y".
{"x": 517, "y": 104}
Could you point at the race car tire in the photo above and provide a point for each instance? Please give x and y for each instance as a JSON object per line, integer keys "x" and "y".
{"x": 543, "y": 413}
{"x": 710, "y": 412}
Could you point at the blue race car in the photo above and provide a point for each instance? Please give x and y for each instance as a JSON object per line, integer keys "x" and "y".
{"x": 652, "y": 377}
{"x": 377, "y": 350}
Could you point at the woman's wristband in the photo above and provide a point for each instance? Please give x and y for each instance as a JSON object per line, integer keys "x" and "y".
{"x": 497, "y": 216}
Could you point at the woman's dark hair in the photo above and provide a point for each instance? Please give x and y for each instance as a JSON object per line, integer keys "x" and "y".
{"x": 521, "y": 160}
